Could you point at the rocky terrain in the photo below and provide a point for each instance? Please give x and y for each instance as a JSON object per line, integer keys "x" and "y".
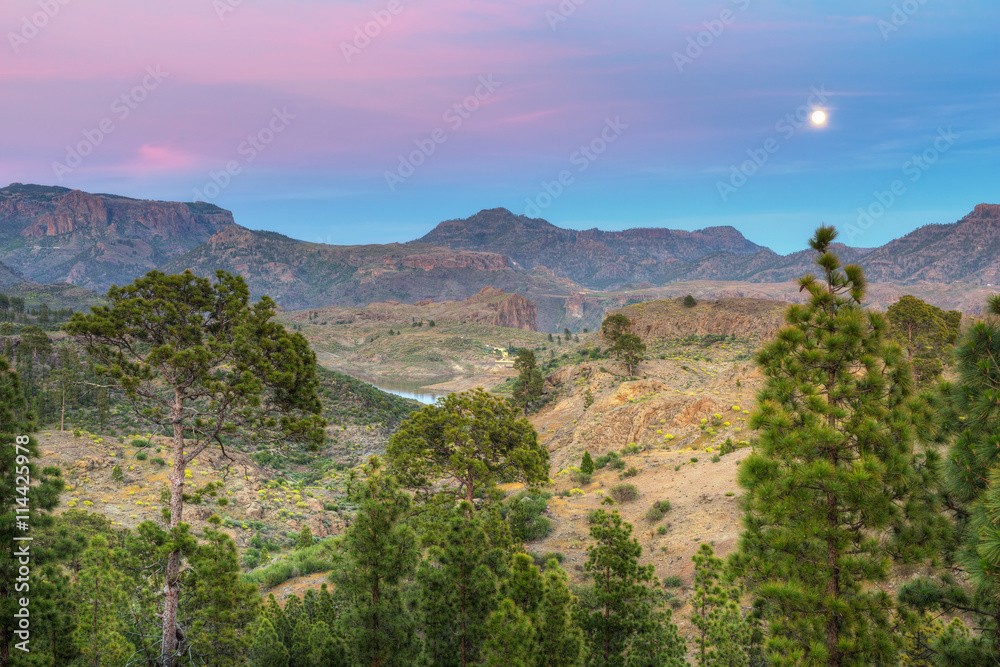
{"x": 301, "y": 275}
{"x": 574, "y": 278}
{"x": 594, "y": 258}
{"x": 467, "y": 338}
{"x": 965, "y": 251}
{"x": 52, "y": 234}
{"x": 9, "y": 276}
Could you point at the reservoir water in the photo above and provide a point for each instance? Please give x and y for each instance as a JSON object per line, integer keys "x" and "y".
{"x": 406, "y": 388}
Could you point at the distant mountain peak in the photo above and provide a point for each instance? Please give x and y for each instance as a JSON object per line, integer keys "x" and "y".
{"x": 593, "y": 257}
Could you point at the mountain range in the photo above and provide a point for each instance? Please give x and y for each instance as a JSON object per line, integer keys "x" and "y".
{"x": 52, "y": 234}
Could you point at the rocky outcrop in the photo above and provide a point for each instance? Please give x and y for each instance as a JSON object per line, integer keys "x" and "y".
{"x": 507, "y": 310}
{"x": 489, "y": 306}
{"x": 54, "y": 234}
{"x": 754, "y": 319}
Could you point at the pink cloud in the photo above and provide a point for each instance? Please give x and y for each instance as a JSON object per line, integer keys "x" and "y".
{"x": 153, "y": 159}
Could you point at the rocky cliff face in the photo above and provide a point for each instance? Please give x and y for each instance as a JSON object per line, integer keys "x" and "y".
{"x": 54, "y": 234}
{"x": 506, "y": 310}
{"x": 752, "y": 319}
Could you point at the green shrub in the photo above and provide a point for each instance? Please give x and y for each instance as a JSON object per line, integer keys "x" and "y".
{"x": 222, "y": 502}
{"x": 309, "y": 560}
{"x": 117, "y": 475}
{"x": 690, "y": 301}
{"x": 523, "y": 512}
{"x": 587, "y": 464}
{"x": 580, "y": 478}
{"x": 716, "y": 459}
{"x": 631, "y": 472}
{"x": 662, "y": 530}
{"x": 158, "y": 461}
{"x": 141, "y": 456}
{"x": 331, "y": 507}
{"x": 618, "y": 464}
{"x": 672, "y": 582}
{"x": 658, "y": 509}
{"x": 624, "y": 493}
{"x": 604, "y": 459}
{"x": 694, "y": 459}
{"x": 139, "y": 442}
{"x": 631, "y": 448}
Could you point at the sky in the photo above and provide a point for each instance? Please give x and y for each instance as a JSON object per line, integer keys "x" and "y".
{"x": 370, "y": 121}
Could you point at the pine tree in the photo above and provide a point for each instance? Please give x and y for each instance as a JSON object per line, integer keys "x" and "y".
{"x": 23, "y": 508}
{"x": 835, "y": 490}
{"x": 267, "y": 649}
{"x": 300, "y": 652}
{"x": 926, "y": 333}
{"x": 623, "y": 344}
{"x": 510, "y": 638}
{"x": 198, "y": 358}
{"x": 657, "y": 642}
{"x": 624, "y": 608}
{"x": 222, "y": 606}
{"x": 970, "y": 418}
{"x": 724, "y": 637}
{"x": 529, "y": 382}
{"x": 100, "y": 632}
{"x": 326, "y": 649}
{"x": 474, "y": 440}
{"x": 559, "y": 640}
{"x": 305, "y": 538}
{"x": 523, "y": 585}
{"x": 587, "y": 464}
{"x": 379, "y": 551}
{"x": 458, "y": 591}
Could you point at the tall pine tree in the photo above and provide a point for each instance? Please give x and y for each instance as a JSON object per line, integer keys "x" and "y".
{"x": 835, "y": 490}
{"x": 970, "y": 416}
{"x": 380, "y": 550}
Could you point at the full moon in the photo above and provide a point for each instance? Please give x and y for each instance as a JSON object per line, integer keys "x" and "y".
{"x": 818, "y": 117}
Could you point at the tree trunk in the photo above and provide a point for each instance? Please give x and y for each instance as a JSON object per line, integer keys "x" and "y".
{"x": 171, "y": 587}
{"x": 62, "y": 415}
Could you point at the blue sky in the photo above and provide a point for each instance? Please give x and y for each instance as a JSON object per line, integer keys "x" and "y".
{"x": 678, "y": 114}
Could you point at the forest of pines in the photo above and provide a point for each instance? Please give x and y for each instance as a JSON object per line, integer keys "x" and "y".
{"x": 871, "y": 500}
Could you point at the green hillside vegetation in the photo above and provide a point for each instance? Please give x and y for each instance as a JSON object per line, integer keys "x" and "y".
{"x": 407, "y": 535}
